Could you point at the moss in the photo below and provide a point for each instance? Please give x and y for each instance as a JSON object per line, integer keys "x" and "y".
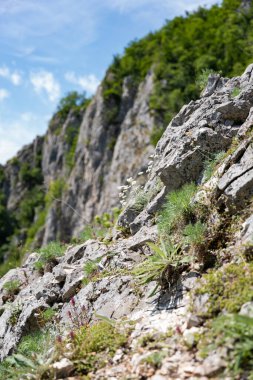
{"x": 228, "y": 288}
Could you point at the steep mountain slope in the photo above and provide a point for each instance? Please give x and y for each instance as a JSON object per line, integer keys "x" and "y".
{"x": 59, "y": 183}
{"x": 97, "y": 302}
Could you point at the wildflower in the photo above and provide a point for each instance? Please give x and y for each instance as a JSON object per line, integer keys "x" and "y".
{"x": 72, "y": 301}
{"x": 59, "y": 339}
{"x": 69, "y": 314}
{"x": 129, "y": 180}
{"x": 72, "y": 335}
{"x": 134, "y": 183}
{"x": 140, "y": 173}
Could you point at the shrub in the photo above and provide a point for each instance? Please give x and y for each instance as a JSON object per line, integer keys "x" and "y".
{"x": 177, "y": 209}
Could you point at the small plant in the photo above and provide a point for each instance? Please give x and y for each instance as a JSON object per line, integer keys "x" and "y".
{"x": 235, "y": 332}
{"x": 155, "y": 359}
{"x": 211, "y": 164}
{"x": 195, "y": 233}
{"x": 16, "y": 311}
{"x": 228, "y": 288}
{"x": 32, "y": 358}
{"x": 12, "y": 287}
{"x": 100, "y": 227}
{"x": 164, "y": 266}
{"x": 235, "y": 92}
{"x": 177, "y": 210}
{"x": 77, "y": 315}
{"x": 90, "y": 270}
{"x": 48, "y": 254}
{"x": 94, "y": 345}
{"x": 46, "y": 316}
{"x": 202, "y": 78}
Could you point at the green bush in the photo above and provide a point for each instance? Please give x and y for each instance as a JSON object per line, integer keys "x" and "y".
{"x": 73, "y": 101}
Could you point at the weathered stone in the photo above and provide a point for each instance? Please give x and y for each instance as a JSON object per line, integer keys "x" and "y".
{"x": 46, "y": 288}
{"x": 235, "y": 187}
{"x": 247, "y": 309}
{"x": 63, "y": 368}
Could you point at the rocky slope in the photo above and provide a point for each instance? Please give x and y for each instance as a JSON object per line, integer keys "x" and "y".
{"x": 199, "y": 325}
{"x": 61, "y": 181}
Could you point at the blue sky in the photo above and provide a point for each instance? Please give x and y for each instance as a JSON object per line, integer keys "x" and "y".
{"x": 50, "y": 47}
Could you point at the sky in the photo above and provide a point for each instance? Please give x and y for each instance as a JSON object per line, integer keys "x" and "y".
{"x": 51, "y": 47}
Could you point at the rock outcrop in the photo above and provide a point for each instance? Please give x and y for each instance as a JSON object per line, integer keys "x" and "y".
{"x": 214, "y": 123}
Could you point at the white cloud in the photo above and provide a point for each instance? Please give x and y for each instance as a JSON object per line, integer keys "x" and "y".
{"x": 45, "y": 82}
{"x": 21, "y": 131}
{"x": 124, "y": 6}
{"x": 3, "y": 94}
{"x": 13, "y": 76}
{"x": 88, "y": 83}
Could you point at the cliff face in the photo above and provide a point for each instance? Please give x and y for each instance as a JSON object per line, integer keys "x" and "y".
{"x": 86, "y": 156}
{"x": 203, "y": 163}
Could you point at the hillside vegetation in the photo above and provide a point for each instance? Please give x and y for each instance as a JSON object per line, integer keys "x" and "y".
{"x": 181, "y": 55}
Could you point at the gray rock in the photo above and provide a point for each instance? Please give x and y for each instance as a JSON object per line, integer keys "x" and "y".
{"x": 235, "y": 187}
{"x": 63, "y": 368}
{"x": 247, "y": 309}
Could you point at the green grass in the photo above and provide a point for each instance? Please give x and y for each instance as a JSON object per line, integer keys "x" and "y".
{"x": 211, "y": 164}
{"x": 176, "y": 210}
{"x": 234, "y": 333}
{"x": 90, "y": 269}
{"x": 12, "y": 287}
{"x": 195, "y": 233}
{"x": 48, "y": 254}
{"x": 94, "y": 345}
{"x": 30, "y": 359}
